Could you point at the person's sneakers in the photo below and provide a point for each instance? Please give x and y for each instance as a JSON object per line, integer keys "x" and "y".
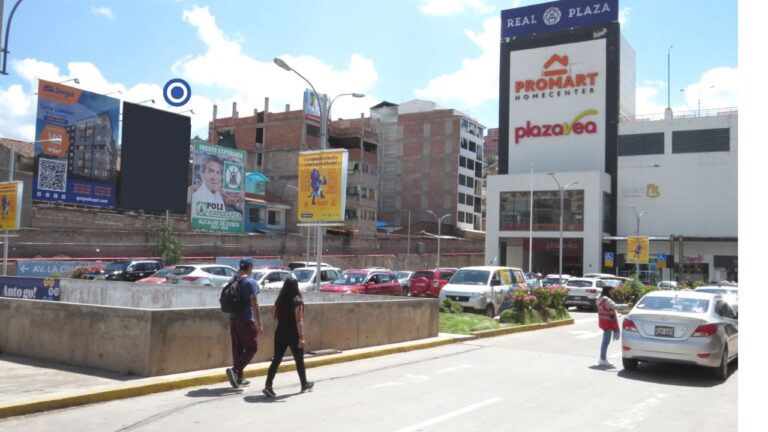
{"x": 233, "y": 378}
{"x": 307, "y": 386}
{"x": 243, "y": 382}
{"x": 268, "y": 392}
{"x": 605, "y": 363}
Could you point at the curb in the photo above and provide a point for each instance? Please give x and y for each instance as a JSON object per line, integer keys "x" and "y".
{"x": 194, "y": 379}
{"x": 521, "y": 328}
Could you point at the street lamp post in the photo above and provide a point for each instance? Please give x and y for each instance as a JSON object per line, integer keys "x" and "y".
{"x": 698, "y": 100}
{"x": 669, "y": 61}
{"x": 439, "y": 225}
{"x": 4, "y": 41}
{"x": 324, "y": 114}
{"x": 562, "y": 192}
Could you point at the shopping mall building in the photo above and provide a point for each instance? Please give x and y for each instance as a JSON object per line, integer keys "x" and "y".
{"x": 568, "y": 126}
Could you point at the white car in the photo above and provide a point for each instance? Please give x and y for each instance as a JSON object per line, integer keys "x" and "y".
{"x": 216, "y": 275}
{"x": 729, "y": 293}
{"x": 306, "y": 278}
{"x": 482, "y": 288}
{"x": 267, "y": 276}
{"x": 583, "y": 292}
{"x": 667, "y": 285}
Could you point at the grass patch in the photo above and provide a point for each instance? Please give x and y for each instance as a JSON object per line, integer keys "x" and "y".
{"x": 465, "y": 323}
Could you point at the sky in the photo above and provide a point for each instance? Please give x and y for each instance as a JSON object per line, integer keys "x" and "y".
{"x": 445, "y": 51}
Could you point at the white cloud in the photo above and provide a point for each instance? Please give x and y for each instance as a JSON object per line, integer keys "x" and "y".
{"x": 624, "y": 16}
{"x": 717, "y": 88}
{"x": 478, "y": 79}
{"x": 248, "y": 80}
{"x": 453, "y": 7}
{"x": 103, "y": 11}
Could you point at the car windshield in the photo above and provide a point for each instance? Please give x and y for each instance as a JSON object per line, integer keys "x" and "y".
{"x": 118, "y": 266}
{"x": 471, "y": 277}
{"x": 258, "y": 275}
{"x": 721, "y": 291}
{"x": 163, "y": 272}
{"x": 579, "y": 283}
{"x": 182, "y": 270}
{"x": 403, "y": 275}
{"x": 350, "y": 279}
{"x": 425, "y": 274}
{"x": 303, "y": 274}
{"x": 674, "y": 304}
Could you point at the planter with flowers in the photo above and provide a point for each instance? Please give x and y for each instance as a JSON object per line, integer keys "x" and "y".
{"x": 539, "y": 305}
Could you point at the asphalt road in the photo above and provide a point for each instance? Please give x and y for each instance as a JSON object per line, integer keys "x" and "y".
{"x": 539, "y": 381}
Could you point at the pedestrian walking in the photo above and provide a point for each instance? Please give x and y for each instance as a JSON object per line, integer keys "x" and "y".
{"x": 288, "y": 311}
{"x": 608, "y": 321}
{"x": 245, "y": 326}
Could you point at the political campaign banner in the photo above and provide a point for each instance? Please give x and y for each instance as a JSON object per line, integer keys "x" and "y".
{"x": 322, "y": 186}
{"x": 637, "y": 250}
{"x": 218, "y": 188}
{"x": 76, "y": 137}
{"x": 30, "y": 288}
{"x": 10, "y": 205}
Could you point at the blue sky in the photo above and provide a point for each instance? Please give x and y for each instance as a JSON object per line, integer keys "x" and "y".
{"x": 398, "y": 50}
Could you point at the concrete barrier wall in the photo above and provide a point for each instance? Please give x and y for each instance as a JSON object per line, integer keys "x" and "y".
{"x": 151, "y": 342}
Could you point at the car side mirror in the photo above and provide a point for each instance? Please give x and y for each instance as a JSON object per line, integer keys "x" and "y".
{"x": 495, "y": 282}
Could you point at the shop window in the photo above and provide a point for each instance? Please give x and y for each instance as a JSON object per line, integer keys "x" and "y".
{"x": 254, "y": 215}
{"x": 273, "y": 218}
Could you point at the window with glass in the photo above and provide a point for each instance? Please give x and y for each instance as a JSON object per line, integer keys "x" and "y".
{"x": 514, "y": 211}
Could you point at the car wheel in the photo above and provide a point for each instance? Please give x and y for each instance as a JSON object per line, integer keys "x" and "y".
{"x": 721, "y": 372}
{"x": 489, "y": 311}
{"x": 405, "y": 292}
{"x": 629, "y": 364}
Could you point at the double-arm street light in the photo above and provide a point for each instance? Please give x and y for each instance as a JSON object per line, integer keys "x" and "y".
{"x": 562, "y": 192}
{"x": 324, "y": 115}
{"x": 439, "y": 224}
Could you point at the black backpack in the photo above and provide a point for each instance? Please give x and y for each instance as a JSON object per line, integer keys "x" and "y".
{"x": 231, "y": 300}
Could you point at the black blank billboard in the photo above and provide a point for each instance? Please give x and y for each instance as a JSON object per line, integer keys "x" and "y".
{"x": 154, "y": 160}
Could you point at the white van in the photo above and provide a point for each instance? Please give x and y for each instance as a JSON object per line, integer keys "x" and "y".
{"x": 483, "y": 288}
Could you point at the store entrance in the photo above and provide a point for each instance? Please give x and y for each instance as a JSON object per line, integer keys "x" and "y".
{"x": 546, "y": 256}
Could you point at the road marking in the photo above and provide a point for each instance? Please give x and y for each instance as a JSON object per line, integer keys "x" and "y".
{"x": 444, "y": 417}
{"x": 614, "y": 355}
{"x": 585, "y": 320}
{"x": 408, "y": 379}
{"x": 580, "y": 334}
{"x": 464, "y": 366}
{"x": 635, "y": 414}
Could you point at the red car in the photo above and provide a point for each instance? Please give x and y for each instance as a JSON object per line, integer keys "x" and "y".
{"x": 159, "y": 277}
{"x": 428, "y": 283}
{"x": 379, "y": 282}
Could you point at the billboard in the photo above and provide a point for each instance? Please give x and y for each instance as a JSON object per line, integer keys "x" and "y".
{"x": 154, "y": 161}
{"x": 30, "y": 288}
{"x": 10, "y": 205}
{"x": 75, "y": 146}
{"x": 322, "y": 186}
{"x": 218, "y": 188}
{"x": 556, "y": 15}
{"x": 312, "y": 105}
{"x": 557, "y": 107}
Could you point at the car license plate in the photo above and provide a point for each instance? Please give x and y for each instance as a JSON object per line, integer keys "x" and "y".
{"x": 665, "y": 331}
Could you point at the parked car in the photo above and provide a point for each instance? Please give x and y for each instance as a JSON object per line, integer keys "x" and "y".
{"x": 267, "y": 276}
{"x": 428, "y": 283}
{"x": 616, "y": 281}
{"x": 130, "y": 270}
{"x": 554, "y": 279}
{"x": 379, "y": 282}
{"x": 667, "y": 285}
{"x": 159, "y": 277}
{"x": 306, "y": 278}
{"x": 583, "y": 292}
{"x": 216, "y": 275}
{"x": 298, "y": 264}
{"x": 483, "y": 288}
{"x": 681, "y": 327}
{"x": 404, "y": 277}
{"x": 729, "y": 293}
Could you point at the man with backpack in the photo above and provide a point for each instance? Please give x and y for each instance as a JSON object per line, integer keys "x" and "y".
{"x": 244, "y": 323}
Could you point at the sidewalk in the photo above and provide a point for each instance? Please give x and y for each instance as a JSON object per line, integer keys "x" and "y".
{"x": 31, "y": 386}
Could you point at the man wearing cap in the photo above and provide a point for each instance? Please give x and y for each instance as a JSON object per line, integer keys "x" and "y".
{"x": 245, "y": 326}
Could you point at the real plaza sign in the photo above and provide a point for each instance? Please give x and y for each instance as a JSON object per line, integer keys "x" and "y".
{"x": 556, "y": 15}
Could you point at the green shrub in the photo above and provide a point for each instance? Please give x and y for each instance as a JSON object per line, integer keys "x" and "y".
{"x": 526, "y": 316}
{"x": 450, "y": 306}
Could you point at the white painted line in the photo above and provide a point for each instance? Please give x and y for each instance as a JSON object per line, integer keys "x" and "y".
{"x": 408, "y": 379}
{"x": 430, "y": 422}
{"x": 585, "y": 320}
{"x": 451, "y": 369}
{"x": 629, "y": 418}
{"x": 579, "y": 334}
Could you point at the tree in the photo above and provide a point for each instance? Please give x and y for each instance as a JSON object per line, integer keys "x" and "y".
{"x": 166, "y": 243}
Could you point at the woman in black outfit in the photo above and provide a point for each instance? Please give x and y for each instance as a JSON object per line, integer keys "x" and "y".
{"x": 289, "y": 313}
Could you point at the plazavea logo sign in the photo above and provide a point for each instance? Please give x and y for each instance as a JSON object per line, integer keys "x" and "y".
{"x": 577, "y": 126}
{"x": 556, "y": 15}
{"x": 556, "y": 81}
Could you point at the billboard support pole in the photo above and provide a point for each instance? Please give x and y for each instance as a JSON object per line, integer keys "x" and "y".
{"x": 6, "y": 238}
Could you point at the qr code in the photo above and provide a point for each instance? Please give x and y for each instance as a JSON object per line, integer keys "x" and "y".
{"x": 52, "y": 175}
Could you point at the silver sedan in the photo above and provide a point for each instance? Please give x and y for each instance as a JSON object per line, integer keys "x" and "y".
{"x": 681, "y": 327}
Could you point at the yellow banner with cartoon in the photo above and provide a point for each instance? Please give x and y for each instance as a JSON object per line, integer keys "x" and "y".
{"x": 322, "y": 186}
{"x": 637, "y": 250}
{"x": 10, "y": 197}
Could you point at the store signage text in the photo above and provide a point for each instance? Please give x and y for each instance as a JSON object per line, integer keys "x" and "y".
{"x": 559, "y": 129}
{"x": 554, "y": 78}
{"x": 693, "y": 259}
